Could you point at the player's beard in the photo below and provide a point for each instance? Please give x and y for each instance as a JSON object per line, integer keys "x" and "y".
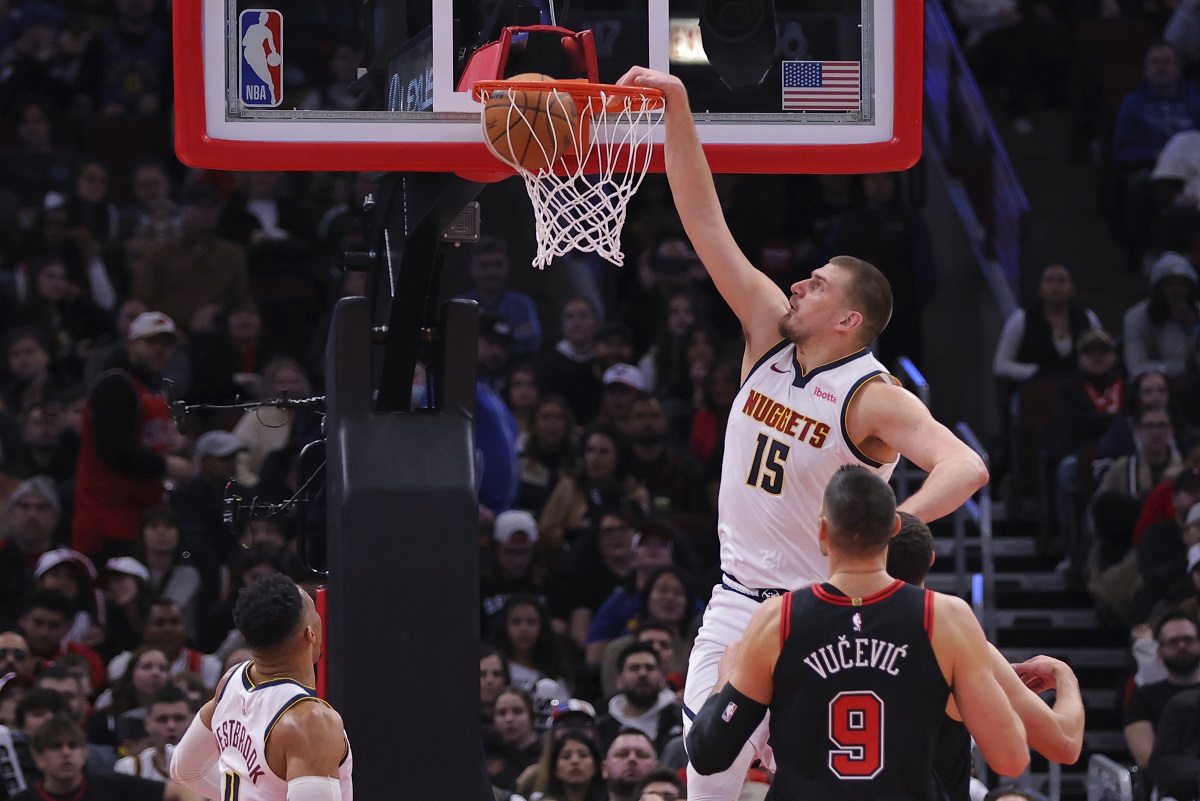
{"x": 797, "y": 338}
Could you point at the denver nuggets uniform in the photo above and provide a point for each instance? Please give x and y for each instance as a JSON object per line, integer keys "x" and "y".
{"x": 245, "y": 714}
{"x": 785, "y": 438}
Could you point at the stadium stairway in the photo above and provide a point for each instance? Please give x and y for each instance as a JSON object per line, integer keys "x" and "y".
{"x": 1037, "y": 612}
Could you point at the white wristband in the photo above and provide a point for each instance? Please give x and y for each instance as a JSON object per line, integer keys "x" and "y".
{"x": 314, "y": 788}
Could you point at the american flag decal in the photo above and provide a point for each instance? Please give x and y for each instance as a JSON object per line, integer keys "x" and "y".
{"x": 821, "y": 85}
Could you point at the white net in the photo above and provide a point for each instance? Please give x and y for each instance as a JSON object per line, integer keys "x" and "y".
{"x": 580, "y": 198}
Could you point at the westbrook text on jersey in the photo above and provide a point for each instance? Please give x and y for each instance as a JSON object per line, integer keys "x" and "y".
{"x": 232, "y": 734}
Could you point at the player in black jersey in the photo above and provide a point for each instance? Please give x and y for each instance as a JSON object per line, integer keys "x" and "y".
{"x": 1054, "y": 732}
{"x": 857, "y": 671}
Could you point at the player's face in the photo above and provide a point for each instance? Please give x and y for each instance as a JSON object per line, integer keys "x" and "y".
{"x": 575, "y": 764}
{"x": 817, "y": 304}
{"x": 166, "y": 723}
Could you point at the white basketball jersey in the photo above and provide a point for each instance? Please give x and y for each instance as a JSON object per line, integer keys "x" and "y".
{"x": 245, "y": 714}
{"x": 785, "y": 438}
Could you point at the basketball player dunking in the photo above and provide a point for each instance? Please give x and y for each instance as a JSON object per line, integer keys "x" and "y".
{"x": 857, "y": 671}
{"x": 813, "y": 398}
{"x": 257, "y": 740}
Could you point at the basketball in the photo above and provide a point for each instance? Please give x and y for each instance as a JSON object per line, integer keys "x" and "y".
{"x": 274, "y": 59}
{"x": 527, "y": 128}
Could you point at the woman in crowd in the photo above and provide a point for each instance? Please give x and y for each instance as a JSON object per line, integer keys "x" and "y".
{"x": 513, "y": 717}
{"x": 68, "y": 317}
{"x": 171, "y": 578}
{"x": 548, "y": 452}
{"x": 267, "y": 428}
{"x": 127, "y": 599}
{"x": 129, "y": 694}
{"x": 522, "y": 632}
{"x": 521, "y": 396}
{"x": 665, "y": 364}
{"x": 493, "y": 677}
{"x": 605, "y": 467}
{"x": 570, "y": 771}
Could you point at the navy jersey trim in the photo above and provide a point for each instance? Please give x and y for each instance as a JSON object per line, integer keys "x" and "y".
{"x": 688, "y": 711}
{"x": 771, "y": 353}
{"x": 240, "y": 668}
{"x": 834, "y": 596}
{"x": 862, "y": 457}
{"x": 295, "y": 700}
{"x": 803, "y": 378}
{"x": 246, "y": 682}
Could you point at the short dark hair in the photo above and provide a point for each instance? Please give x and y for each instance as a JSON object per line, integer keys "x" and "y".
{"x": 51, "y": 600}
{"x": 636, "y": 647}
{"x": 1177, "y": 614}
{"x": 624, "y": 730}
{"x": 860, "y": 509}
{"x": 169, "y": 694}
{"x": 159, "y": 515}
{"x": 268, "y": 611}
{"x": 58, "y": 671}
{"x": 58, "y": 729}
{"x": 869, "y": 294}
{"x": 657, "y": 776}
{"x": 910, "y": 551}
{"x": 40, "y": 699}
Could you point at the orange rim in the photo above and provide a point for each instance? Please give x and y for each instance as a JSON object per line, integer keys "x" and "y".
{"x": 580, "y": 90}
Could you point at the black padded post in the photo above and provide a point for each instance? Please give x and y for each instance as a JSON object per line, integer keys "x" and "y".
{"x": 404, "y": 569}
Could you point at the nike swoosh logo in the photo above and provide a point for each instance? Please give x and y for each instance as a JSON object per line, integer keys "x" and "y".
{"x": 776, "y": 369}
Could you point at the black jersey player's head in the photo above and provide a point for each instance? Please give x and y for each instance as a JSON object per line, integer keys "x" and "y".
{"x": 847, "y": 297}
{"x": 858, "y": 512}
{"x": 910, "y": 552}
{"x": 274, "y": 616}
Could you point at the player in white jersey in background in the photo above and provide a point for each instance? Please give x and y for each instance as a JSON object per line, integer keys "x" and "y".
{"x": 812, "y": 399}
{"x": 257, "y": 740}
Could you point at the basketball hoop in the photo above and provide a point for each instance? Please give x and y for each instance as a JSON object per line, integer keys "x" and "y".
{"x": 580, "y": 197}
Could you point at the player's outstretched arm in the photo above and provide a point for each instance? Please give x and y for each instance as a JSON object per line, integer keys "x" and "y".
{"x": 1054, "y": 732}
{"x": 890, "y": 418}
{"x": 311, "y": 739}
{"x": 754, "y": 298}
{"x": 194, "y": 761}
{"x": 740, "y": 699}
{"x": 962, "y": 651}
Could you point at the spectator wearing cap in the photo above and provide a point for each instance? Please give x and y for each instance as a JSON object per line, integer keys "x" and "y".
{"x": 513, "y": 567}
{"x": 127, "y": 599}
{"x": 103, "y": 356}
{"x": 652, "y": 549}
{"x": 644, "y": 701}
{"x": 198, "y": 503}
{"x": 1162, "y": 553}
{"x": 488, "y": 270}
{"x": 622, "y": 383}
{"x": 194, "y": 271}
{"x": 572, "y": 370}
{"x": 494, "y": 350}
{"x": 126, "y": 443}
{"x": 603, "y": 471}
{"x": 74, "y": 575}
{"x": 1159, "y": 330}
{"x": 47, "y": 618}
{"x": 628, "y": 760}
{"x": 33, "y": 514}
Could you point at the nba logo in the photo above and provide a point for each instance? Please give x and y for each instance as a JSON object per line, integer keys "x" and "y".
{"x": 260, "y": 71}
